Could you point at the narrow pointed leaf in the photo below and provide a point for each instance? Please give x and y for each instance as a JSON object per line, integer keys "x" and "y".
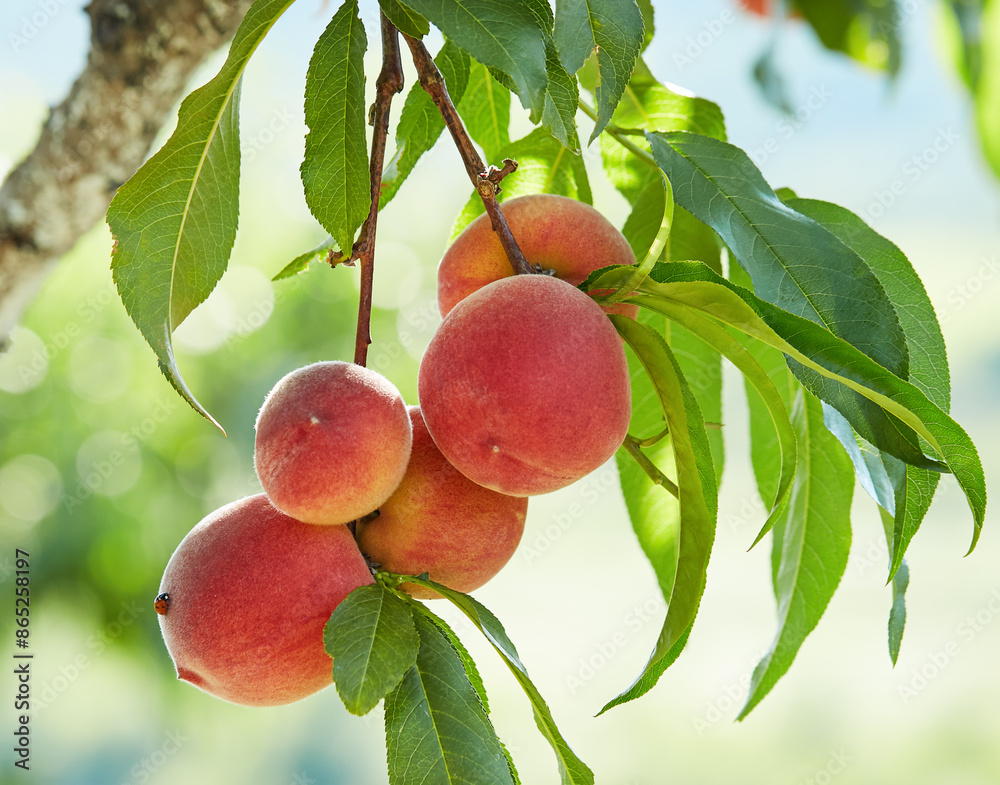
{"x": 405, "y": 18}
{"x": 373, "y": 643}
{"x": 334, "y": 171}
{"x": 471, "y": 669}
{"x": 485, "y": 109}
{"x": 793, "y": 261}
{"x": 615, "y": 29}
{"x": 815, "y": 348}
{"x": 986, "y": 81}
{"x": 697, "y": 503}
{"x": 915, "y": 487}
{"x": 571, "y": 769}
{"x": 506, "y": 36}
{"x": 897, "y": 616}
{"x": 301, "y": 262}
{"x": 717, "y": 337}
{"x": 174, "y": 221}
{"x": 437, "y": 731}
{"x": 815, "y": 542}
{"x": 420, "y": 122}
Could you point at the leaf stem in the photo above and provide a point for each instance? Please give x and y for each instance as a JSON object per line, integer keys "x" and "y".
{"x": 632, "y": 445}
{"x": 621, "y": 135}
{"x": 388, "y": 83}
{"x": 485, "y": 180}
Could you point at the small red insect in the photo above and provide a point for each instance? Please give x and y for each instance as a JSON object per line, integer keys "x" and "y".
{"x": 161, "y": 603}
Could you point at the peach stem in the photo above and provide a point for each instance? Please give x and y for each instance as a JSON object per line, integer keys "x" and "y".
{"x": 485, "y": 180}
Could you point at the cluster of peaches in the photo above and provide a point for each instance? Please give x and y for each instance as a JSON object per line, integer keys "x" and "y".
{"x": 523, "y": 389}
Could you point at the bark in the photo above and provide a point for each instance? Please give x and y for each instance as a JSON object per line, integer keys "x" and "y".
{"x": 141, "y": 58}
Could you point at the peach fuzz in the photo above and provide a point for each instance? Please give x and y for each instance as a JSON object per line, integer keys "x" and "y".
{"x": 554, "y": 232}
{"x": 333, "y": 441}
{"x": 440, "y": 522}
{"x": 525, "y": 386}
{"x": 250, "y": 592}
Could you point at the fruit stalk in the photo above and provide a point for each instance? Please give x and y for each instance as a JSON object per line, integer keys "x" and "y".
{"x": 485, "y": 181}
{"x": 388, "y": 83}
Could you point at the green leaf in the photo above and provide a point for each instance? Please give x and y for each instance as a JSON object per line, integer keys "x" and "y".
{"x": 615, "y": 28}
{"x": 695, "y": 508}
{"x": 405, "y": 19}
{"x": 914, "y": 489}
{"x": 649, "y": 105}
{"x": 301, "y": 262}
{"x": 868, "y": 465}
{"x": 571, "y": 769}
{"x": 373, "y": 643}
{"x": 544, "y": 166}
{"x": 699, "y": 288}
{"x": 485, "y": 109}
{"x": 174, "y": 221}
{"x": 865, "y": 30}
{"x": 437, "y": 731}
{"x": 420, "y": 122}
{"x": 812, "y": 542}
{"x": 797, "y": 264}
{"x": 335, "y": 171}
{"x": 649, "y": 29}
{"x": 562, "y": 97}
{"x": 716, "y": 336}
{"x": 794, "y": 262}
{"x": 506, "y": 36}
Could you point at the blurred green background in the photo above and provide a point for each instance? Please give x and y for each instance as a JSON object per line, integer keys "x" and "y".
{"x": 103, "y": 469}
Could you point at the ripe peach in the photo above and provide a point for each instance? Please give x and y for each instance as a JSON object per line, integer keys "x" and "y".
{"x": 333, "y": 440}
{"x": 524, "y": 387}
{"x": 440, "y": 522}
{"x": 555, "y": 232}
{"x": 250, "y": 591}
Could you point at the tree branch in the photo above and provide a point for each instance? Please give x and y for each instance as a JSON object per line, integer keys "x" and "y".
{"x": 388, "y": 83}
{"x": 486, "y": 182}
{"x": 141, "y": 57}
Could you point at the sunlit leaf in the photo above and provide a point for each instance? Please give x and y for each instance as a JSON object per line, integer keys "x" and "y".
{"x": 174, "y": 222}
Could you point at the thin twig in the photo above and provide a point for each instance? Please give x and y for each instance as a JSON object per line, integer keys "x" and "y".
{"x": 631, "y": 444}
{"x": 485, "y": 181}
{"x": 389, "y": 82}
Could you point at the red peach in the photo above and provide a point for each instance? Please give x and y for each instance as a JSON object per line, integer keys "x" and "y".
{"x": 333, "y": 440}
{"x": 440, "y": 522}
{"x": 250, "y": 591}
{"x": 555, "y": 232}
{"x": 525, "y": 387}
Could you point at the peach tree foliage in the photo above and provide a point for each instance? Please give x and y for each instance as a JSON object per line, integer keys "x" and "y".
{"x": 844, "y": 363}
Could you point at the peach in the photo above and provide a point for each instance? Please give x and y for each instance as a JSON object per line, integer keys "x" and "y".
{"x": 440, "y": 522}
{"x": 333, "y": 441}
{"x": 525, "y": 387}
{"x": 555, "y": 232}
{"x": 249, "y": 592}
